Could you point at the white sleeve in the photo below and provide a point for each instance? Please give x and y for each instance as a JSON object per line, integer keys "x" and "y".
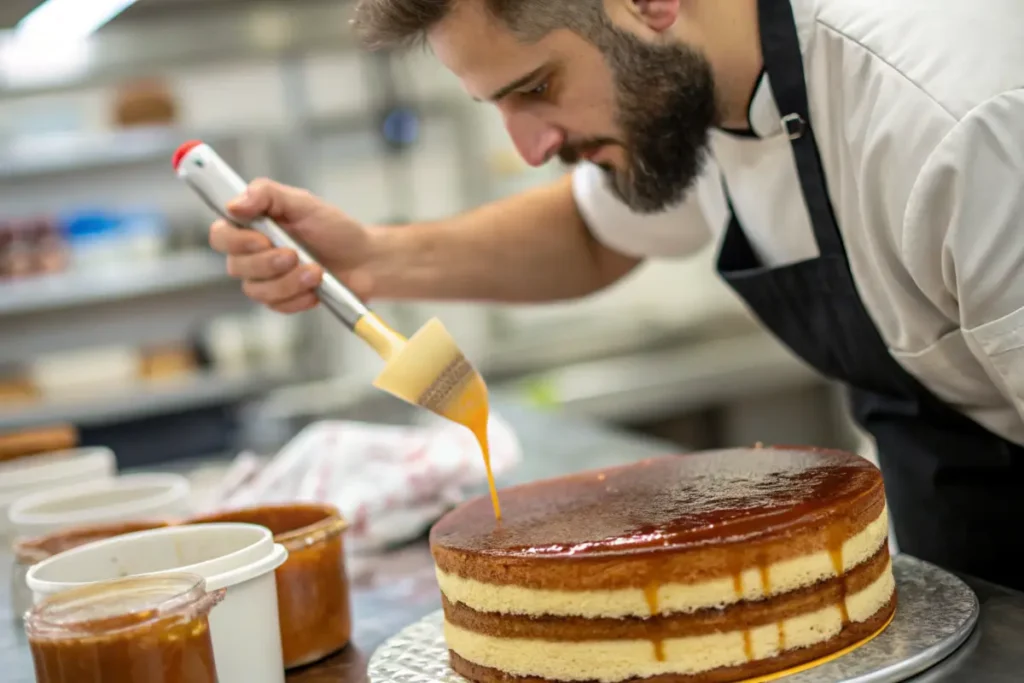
{"x": 970, "y": 195}
{"x": 678, "y": 231}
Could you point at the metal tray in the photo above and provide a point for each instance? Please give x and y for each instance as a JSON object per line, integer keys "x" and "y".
{"x": 935, "y": 615}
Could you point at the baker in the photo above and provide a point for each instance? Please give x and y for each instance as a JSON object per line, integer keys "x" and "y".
{"x": 860, "y": 163}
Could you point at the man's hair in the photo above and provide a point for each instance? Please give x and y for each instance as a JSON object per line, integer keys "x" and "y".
{"x": 398, "y": 24}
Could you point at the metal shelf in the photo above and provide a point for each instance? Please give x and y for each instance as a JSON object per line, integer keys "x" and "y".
{"x": 132, "y": 304}
{"x": 148, "y": 398}
{"x": 75, "y": 288}
{"x": 54, "y": 154}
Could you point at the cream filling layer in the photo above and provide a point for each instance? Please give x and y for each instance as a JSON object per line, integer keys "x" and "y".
{"x": 783, "y": 577}
{"x": 616, "y": 660}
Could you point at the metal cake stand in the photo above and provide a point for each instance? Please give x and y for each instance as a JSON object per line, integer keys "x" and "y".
{"x": 935, "y": 614}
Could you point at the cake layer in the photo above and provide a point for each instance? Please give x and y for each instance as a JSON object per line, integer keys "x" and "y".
{"x": 712, "y": 657}
{"x": 751, "y": 614}
{"x": 752, "y": 583}
{"x": 686, "y": 519}
{"x": 729, "y": 674}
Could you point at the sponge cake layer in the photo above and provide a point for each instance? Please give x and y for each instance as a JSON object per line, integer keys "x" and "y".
{"x": 752, "y": 583}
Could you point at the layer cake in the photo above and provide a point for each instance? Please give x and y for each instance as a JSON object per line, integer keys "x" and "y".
{"x": 708, "y": 567}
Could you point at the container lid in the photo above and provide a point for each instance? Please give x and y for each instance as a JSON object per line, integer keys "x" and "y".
{"x": 29, "y": 551}
{"x": 120, "y": 605}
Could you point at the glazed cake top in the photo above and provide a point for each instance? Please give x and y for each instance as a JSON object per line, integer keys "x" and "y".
{"x": 666, "y": 504}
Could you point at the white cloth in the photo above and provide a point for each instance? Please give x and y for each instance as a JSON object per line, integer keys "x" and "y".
{"x": 918, "y": 113}
{"x": 391, "y": 483}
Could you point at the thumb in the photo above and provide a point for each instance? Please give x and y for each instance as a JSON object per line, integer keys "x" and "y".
{"x": 264, "y": 197}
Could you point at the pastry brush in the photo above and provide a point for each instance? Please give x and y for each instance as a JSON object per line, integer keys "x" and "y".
{"x": 427, "y": 370}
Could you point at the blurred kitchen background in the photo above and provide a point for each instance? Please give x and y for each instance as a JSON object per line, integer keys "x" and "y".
{"x": 120, "y": 327}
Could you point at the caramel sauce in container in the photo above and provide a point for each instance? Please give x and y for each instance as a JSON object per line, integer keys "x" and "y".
{"x": 312, "y": 585}
{"x": 35, "y": 550}
{"x": 152, "y": 629}
{"x": 30, "y": 551}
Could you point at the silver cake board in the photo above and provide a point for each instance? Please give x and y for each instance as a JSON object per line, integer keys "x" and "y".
{"x": 935, "y": 614}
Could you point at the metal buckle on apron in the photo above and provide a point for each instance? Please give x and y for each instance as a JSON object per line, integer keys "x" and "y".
{"x": 794, "y": 125}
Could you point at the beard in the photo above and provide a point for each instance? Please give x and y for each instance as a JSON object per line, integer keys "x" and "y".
{"x": 665, "y": 99}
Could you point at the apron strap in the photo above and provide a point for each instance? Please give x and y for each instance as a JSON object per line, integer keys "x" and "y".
{"x": 783, "y": 62}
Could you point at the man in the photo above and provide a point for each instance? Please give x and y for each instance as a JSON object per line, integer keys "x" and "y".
{"x": 862, "y": 163}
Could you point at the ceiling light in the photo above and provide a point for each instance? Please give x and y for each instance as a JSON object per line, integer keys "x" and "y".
{"x": 56, "y": 21}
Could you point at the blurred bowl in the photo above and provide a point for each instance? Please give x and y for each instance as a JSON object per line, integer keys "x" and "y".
{"x": 131, "y": 497}
{"x": 24, "y": 476}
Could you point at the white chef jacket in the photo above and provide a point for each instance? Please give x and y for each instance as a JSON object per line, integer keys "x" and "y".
{"x": 917, "y": 108}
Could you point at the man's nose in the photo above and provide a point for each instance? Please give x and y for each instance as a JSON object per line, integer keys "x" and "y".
{"x": 535, "y": 140}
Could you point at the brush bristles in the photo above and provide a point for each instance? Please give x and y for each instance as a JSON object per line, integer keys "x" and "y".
{"x": 448, "y": 385}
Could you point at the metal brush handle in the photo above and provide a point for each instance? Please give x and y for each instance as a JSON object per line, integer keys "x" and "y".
{"x": 217, "y": 184}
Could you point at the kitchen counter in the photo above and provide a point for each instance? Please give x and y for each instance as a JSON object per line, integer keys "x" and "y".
{"x": 394, "y": 589}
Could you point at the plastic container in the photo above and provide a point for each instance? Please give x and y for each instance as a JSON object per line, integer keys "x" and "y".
{"x": 312, "y": 586}
{"x": 32, "y": 551}
{"x": 239, "y": 557}
{"x": 130, "y": 497}
{"x": 24, "y": 476}
{"x": 138, "y": 630}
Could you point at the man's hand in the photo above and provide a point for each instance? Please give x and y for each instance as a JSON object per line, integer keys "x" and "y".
{"x": 273, "y": 276}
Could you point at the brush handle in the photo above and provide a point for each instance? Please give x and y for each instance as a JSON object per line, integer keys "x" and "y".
{"x": 217, "y": 184}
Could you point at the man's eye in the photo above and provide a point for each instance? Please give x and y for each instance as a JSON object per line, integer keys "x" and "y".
{"x": 538, "y": 90}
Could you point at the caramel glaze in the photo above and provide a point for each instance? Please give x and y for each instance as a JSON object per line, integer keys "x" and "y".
{"x": 737, "y": 587}
{"x": 663, "y": 503}
{"x": 722, "y": 505}
{"x": 751, "y": 614}
{"x": 677, "y": 505}
{"x": 651, "y": 595}
{"x": 835, "y": 551}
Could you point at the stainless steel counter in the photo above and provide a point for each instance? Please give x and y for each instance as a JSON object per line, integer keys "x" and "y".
{"x": 397, "y": 588}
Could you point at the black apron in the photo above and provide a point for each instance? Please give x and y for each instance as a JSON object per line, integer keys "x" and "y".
{"x": 955, "y": 490}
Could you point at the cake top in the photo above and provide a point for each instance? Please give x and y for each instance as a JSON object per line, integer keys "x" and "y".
{"x": 674, "y": 502}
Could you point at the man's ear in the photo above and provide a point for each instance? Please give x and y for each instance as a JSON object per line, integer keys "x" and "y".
{"x": 659, "y": 15}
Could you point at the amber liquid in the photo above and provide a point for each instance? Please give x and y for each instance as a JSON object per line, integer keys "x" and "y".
{"x": 737, "y": 587}
{"x": 472, "y": 410}
{"x": 469, "y": 408}
{"x": 312, "y": 586}
{"x": 651, "y": 596}
{"x": 157, "y": 653}
{"x": 766, "y": 588}
{"x": 835, "y": 551}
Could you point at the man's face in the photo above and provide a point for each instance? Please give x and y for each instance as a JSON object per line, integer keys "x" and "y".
{"x": 639, "y": 109}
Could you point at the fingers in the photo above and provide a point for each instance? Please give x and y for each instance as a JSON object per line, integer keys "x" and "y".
{"x": 303, "y": 302}
{"x": 270, "y": 275}
{"x": 264, "y": 197}
{"x": 266, "y": 265}
{"x": 279, "y": 291}
{"x": 228, "y": 239}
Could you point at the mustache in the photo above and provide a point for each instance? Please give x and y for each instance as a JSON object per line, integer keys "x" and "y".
{"x": 571, "y": 153}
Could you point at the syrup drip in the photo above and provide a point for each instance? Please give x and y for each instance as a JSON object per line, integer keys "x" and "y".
{"x": 748, "y": 645}
{"x": 737, "y": 586}
{"x": 479, "y": 429}
{"x": 835, "y": 551}
{"x": 766, "y": 588}
{"x": 468, "y": 407}
{"x": 651, "y": 596}
{"x": 471, "y": 409}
